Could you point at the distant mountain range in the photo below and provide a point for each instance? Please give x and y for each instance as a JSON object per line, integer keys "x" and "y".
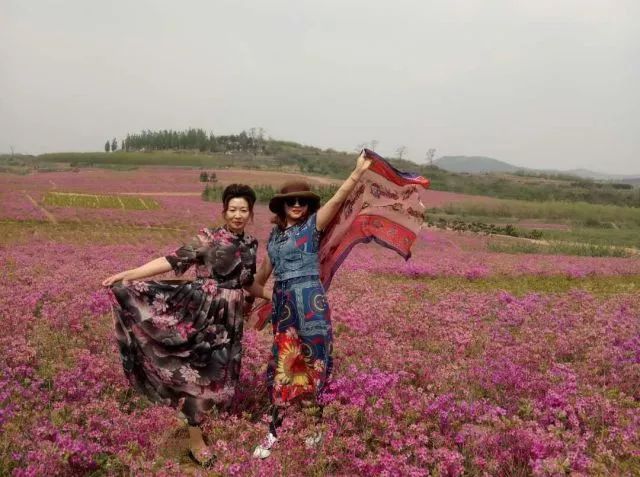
{"x": 480, "y": 164}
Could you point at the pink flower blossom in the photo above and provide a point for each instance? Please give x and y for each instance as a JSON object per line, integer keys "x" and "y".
{"x": 189, "y": 374}
{"x": 210, "y": 287}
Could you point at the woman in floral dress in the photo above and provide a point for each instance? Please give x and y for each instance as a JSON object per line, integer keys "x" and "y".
{"x": 301, "y": 358}
{"x": 181, "y": 342}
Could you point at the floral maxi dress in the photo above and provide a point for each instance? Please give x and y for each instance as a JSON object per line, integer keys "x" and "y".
{"x": 182, "y": 341}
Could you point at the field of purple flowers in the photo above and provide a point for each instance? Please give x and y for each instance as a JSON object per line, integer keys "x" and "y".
{"x": 459, "y": 362}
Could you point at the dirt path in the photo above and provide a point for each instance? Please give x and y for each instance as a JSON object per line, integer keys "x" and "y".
{"x": 48, "y": 214}
{"x": 162, "y": 194}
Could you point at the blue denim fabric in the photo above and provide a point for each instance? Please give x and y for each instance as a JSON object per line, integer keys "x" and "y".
{"x": 294, "y": 251}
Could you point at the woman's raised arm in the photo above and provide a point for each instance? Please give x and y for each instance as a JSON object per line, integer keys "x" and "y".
{"x": 328, "y": 211}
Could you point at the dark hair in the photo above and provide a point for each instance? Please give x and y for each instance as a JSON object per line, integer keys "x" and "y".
{"x": 234, "y": 191}
{"x": 280, "y": 219}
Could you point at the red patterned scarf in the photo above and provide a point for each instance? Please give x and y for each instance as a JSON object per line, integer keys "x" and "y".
{"x": 384, "y": 206}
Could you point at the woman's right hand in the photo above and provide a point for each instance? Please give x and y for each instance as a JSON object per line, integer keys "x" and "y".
{"x": 149, "y": 269}
{"x": 115, "y": 278}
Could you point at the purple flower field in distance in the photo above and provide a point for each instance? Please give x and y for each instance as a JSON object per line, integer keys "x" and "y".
{"x": 461, "y": 361}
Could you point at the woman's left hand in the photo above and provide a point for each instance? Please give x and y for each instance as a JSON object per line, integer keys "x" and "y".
{"x": 328, "y": 211}
{"x": 363, "y": 163}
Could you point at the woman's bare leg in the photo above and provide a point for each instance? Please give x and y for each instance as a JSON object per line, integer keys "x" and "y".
{"x": 194, "y": 409}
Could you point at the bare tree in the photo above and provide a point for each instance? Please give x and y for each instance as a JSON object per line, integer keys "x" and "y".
{"x": 257, "y": 139}
{"x": 374, "y": 143}
{"x": 12, "y": 151}
{"x": 401, "y": 151}
{"x": 429, "y": 156}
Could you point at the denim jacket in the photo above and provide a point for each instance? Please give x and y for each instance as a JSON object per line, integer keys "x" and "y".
{"x": 294, "y": 251}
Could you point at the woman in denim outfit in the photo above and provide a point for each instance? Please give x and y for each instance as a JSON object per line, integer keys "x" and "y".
{"x": 301, "y": 358}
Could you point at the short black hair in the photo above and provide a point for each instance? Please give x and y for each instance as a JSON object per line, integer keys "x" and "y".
{"x": 233, "y": 191}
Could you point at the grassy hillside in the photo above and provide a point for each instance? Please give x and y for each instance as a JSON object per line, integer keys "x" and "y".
{"x": 333, "y": 164}
{"x": 474, "y": 164}
{"x": 292, "y": 157}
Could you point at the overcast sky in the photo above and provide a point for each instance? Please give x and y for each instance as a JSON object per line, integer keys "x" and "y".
{"x": 538, "y": 83}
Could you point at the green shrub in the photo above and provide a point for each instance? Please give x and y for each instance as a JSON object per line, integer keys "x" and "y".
{"x": 559, "y": 248}
{"x": 93, "y": 201}
{"x": 482, "y": 227}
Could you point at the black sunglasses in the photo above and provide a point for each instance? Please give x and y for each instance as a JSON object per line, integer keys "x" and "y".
{"x": 292, "y": 201}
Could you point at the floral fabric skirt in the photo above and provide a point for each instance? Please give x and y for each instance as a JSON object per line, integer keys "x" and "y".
{"x": 181, "y": 343}
{"x": 301, "y": 360}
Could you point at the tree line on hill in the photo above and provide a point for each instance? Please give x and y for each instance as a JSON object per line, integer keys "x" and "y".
{"x": 252, "y": 141}
{"x": 251, "y": 149}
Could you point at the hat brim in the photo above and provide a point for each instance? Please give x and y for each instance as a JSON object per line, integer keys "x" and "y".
{"x": 276, "y": 203}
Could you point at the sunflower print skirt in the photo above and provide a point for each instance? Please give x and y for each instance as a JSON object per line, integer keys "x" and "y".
{"x": 301, "y": 360}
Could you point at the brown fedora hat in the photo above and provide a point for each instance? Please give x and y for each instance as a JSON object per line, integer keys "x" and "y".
{"x": 292, "y": 189}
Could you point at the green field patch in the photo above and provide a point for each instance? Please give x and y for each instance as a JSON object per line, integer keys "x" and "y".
{"x": 560, "y": 248}
{"x": 95, "y": 201}
{"x": 584, "y": 213}
{"x": 521, "y": 285}
{"x": 619, "y": 236}
{"x": 104, "y": 233}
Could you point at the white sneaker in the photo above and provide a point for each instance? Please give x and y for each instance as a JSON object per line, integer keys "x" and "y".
{"x": 263, "y": 450}
{"x": 313, "y": 441}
